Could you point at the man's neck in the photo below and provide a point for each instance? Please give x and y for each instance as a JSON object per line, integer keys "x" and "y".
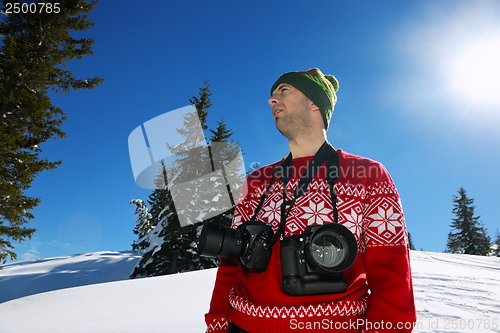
{"x": 306, "y": 147}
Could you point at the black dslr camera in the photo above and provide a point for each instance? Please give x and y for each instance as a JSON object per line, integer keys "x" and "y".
{"x": 312, "y": 262}
{"x": 250, "y": 242}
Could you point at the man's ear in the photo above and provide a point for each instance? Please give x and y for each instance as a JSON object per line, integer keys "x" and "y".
{"x": 314, "y": 107}
{"x": 316, "y": 113}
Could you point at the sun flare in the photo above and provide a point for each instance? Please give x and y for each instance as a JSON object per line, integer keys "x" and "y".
{"x": 476, "y": 72}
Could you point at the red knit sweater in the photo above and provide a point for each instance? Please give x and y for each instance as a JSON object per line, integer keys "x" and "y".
{"x": 379, "y": 294}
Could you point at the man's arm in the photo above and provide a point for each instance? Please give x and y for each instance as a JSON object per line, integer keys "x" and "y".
{"x": 218, "y": 316}
{"x": 391, "y": 306}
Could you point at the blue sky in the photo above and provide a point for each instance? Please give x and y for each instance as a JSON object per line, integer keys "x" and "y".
{"x": 401, "y": 102}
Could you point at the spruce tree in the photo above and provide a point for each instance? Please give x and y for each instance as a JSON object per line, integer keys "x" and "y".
{"x": 202, "y": 104}
{"x": 142, "y": 225}
{"x": 468, "y": 235}
{"x": 172, "y": 247}
{"x": 496, "y": 250}
{"x": 36, "y": 49}
{"x": 223, "y": 135}
{"x": 410, "y": 242}
{"x": 157, "y": 259}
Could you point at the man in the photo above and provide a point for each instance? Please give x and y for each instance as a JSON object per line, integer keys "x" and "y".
{"x": 378, "y": 296}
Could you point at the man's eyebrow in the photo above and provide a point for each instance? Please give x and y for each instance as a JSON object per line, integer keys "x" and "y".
{"x": 282, "y": 85}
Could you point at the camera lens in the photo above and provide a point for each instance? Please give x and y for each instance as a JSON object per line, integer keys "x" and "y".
{"x": 332, "y": 248}
{"x": 218, "y": 240}
{"x": 329, "y": 249}
{"x": 211, "y": 238}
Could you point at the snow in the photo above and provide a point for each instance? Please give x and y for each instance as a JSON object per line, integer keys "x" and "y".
{"x": 36, "y": 276}
{"x": 460, "y": 288}
{"x": 92, "y": 293}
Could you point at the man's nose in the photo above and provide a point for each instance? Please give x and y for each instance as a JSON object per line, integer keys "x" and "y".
{"x": 272, "y": 100}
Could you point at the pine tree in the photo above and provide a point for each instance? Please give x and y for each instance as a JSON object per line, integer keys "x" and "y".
{"x": 36, "y": 48}
{"x": 202, "y": 104}
{"x": 410, "y": 242}
{"x": 172, "y": 247}
{"x": 221, "y": 133}
{"x": 142, "y": 225}
{"x": 496, "y": 250}
{"x": 156, "y": 259}
{"x": 469, "y": 237}
{"x": 224, "y": 156}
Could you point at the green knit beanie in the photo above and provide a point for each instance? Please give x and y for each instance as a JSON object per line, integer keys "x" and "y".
{"x": 319, "y": 88}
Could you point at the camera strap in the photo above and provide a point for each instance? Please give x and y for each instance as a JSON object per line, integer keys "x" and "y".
{"x": 284, "y": 171}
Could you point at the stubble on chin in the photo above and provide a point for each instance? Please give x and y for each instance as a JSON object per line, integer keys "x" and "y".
{"x": 292, "y": 125}
{"x": 285, "y": 127}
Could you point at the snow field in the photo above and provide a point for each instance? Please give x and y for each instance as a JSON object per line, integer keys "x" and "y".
{"x": 453, "y": 293}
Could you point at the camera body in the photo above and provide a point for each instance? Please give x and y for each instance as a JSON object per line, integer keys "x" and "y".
{"x": 312, "y": 262}
{"x": 250, "y": 242}
{"x": 257, "y": 254}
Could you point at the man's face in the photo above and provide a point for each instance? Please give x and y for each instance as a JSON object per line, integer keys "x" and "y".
{"x": 290, "y": 109}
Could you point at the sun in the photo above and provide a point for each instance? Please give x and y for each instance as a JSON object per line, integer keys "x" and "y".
{"x": 476, "y": 71}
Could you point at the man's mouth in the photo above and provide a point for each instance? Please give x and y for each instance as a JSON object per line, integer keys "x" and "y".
{"x": 276, "y": 111}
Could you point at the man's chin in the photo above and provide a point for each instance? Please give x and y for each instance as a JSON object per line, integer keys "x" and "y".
{"x": 283, "y": 131}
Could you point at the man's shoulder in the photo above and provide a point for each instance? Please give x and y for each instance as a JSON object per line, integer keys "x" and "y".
{"x": 358, "y": 169}
{"x": 348, "y": 158}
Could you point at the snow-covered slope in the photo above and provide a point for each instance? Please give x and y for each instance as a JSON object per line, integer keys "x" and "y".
{"x": 456, "y": 292}
{"x": 453, "y": 293}
{"x": 36, "y": 276}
